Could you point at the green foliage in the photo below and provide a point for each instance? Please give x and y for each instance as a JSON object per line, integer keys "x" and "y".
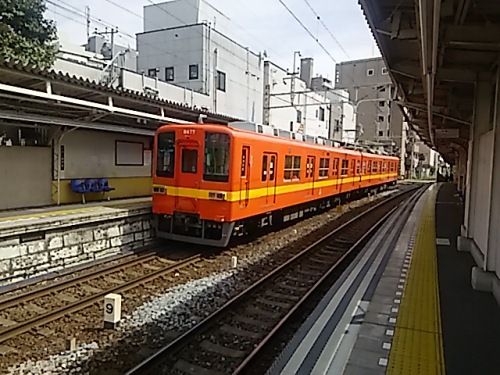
{"x": 25, "y": 34}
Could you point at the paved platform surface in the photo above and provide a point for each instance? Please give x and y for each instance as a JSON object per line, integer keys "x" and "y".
{"x": 71, "y": 209}
{"x": 470, "y": 319}
{"x": 422, "y": 315}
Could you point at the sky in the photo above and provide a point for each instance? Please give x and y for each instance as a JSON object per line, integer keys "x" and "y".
{"x": 262, "y": 25}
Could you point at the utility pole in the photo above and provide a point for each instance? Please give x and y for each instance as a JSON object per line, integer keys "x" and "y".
{"x": 112, "y": 32}
{"x": 87, "y": 16}
{"x": 293, "y": 74}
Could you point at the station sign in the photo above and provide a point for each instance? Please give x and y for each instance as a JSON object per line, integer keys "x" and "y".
{"x": 447, "y": 133}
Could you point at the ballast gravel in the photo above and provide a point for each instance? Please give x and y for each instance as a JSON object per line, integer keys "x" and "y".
{"x": 179, "y": 308}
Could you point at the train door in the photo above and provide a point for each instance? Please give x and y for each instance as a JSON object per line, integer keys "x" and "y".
{"x": 188, "y": 176}
{"x": 336, "y": 173}
{"x": 244, "y": 176}
{"x": 269, "y": 160}
{"x": 358, "y": 173}
{"x": 311, "y": 171}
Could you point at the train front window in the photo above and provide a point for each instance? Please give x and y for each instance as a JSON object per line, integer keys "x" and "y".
{"x": 216, "y": 157}
{"x": 165, "y": 155}
{"x": 189, "y": 160}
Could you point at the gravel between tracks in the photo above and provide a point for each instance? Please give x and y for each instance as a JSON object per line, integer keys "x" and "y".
{"x": 155, "y": 315}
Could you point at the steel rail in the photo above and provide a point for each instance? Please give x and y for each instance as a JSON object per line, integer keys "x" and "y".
{"x": 64, "y": 284}
{"x": 147, "y": 365}
{"x": 19, "y": 328}
{"x": 243, "y": 367}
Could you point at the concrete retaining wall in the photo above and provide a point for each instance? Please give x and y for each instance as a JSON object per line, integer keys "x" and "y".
{"x": 37, "y": 250}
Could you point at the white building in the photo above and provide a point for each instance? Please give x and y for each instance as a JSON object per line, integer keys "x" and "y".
{"x": 181, "y": 47}
{"x": 177, "y": 13}
{"x": 290, "y": 105}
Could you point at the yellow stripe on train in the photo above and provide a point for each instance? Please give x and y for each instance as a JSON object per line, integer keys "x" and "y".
{"x": 234, "y": 196}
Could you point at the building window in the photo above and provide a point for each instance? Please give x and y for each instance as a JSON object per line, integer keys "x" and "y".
{"x": 152, "y": 72}
{"x": 370, "y": 72}
{"x": 380, "y": 133}
{"x": 337, "y": 76}
{"x": 322, "y": 114}
{"x": 299, "y": 116}
{"x": 337, "y": 125}
{"x": 380, "y": 118}
{"x": 193, "y": 71}
{"x": 381, "y": 103}
{"x": 221, "y": 81}
{"x": 169, "y": 74}
{"x": 291, "y": 126}
{"x": 384, "y": 71}
{"x": 381, "y": 88}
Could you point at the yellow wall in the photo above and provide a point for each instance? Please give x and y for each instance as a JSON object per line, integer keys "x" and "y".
{"x": 125, "y": 187}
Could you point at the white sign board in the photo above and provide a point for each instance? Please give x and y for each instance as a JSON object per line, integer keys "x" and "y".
{"x": 447, "y": 133}
{"x": 112, "y": 309}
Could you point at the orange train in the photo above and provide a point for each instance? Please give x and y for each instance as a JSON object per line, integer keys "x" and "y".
{"x": 212, "y": 182}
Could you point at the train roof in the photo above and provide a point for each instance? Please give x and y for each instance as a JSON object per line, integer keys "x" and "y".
{"x": 251, "y": 135}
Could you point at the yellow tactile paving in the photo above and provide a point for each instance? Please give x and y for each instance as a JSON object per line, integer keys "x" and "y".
{"x": 417, "y": 347}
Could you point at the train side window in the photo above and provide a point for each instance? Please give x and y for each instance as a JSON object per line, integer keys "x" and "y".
{"x": 165, "y": 163}
{"x": 189, "y": 160}
{"x": 364, "y": 167}
{"x": 358, "y": 167}
{"x": 375, "y": 166}
{"x": 292, "y": 168}
{"x": 272, "y": 167}
{"x": 264, "y": 168}
{"x": 335, "y": 169}
{"x": 345, "y": 167}
{"x": 324, "y": 167}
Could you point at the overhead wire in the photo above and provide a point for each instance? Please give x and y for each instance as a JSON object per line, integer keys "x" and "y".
{"x": 326, "y": 28}
{"x": 321, "y": 45}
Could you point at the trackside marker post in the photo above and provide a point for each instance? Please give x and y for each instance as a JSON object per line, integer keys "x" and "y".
{"x": 112, "y": 310}
{"x": 234, "y": 261}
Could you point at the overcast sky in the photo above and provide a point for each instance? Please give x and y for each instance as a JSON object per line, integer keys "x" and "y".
{"x": 258, "y": 24}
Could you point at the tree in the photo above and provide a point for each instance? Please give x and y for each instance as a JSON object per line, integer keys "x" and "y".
{"x": 25, "y": 34}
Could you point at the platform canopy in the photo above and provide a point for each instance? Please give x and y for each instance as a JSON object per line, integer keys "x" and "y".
{"x": 434, "y": 51}
{"x": 35, "y": 97}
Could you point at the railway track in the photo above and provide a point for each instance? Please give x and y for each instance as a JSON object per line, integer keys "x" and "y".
{"x": 231, "y": 338}
{"x": 24, "y": 312}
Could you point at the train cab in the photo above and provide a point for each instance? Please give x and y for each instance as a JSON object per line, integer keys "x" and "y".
{"x": 191, "y": 183}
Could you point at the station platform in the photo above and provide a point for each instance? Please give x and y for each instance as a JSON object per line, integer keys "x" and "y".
{"x": 13, "y": 221}
{"x": 405, "y": 305}
{"x": 47, "y": 241}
